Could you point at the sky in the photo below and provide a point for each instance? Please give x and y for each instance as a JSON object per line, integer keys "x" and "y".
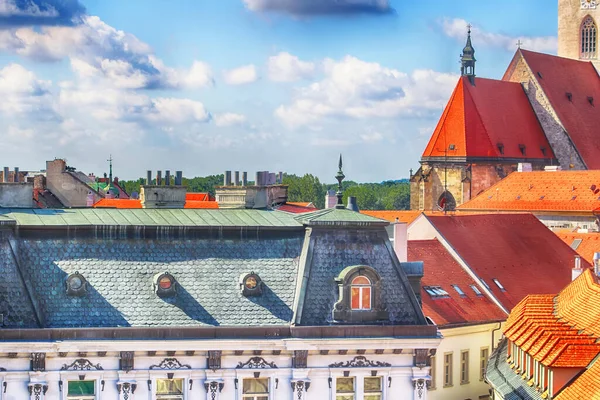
{"x": 205, "y": 86}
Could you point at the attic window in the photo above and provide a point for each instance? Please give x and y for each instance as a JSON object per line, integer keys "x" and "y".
{"x": 436, "y": 291}
{"x": 360, "y": 297}
{"x": 542, "y": 197}
{"x": 165, "y": 285}
{"x": 251, "y": 284}
{"x": 569, "y": 96}
{"x": 476, "y": 290}
{"x": 543, "y": 150}
{"x": 591, "y": 100}
{"x": 540, "y": 75}
{"x": 451, "y": 147}
{"x": 523, "y": 149}
{"x": 576, "y": 243}
{"x": 497, "y": 282}
{"x": 459, "y": 290}
{"x": 500, "y": 148}
{"x": 484, "y": 283}
{"x": 76, "y": 284}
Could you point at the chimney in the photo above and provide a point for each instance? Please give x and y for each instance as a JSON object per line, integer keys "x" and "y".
{"x": 280, "y": 177}
{"x": 597, "y": 264}
{"x": 352, "y": 205}
{"x": 524, "y": 167}
{"x": 16, "y": 174}
{"x": 258, "y": 178}
{"x": 237, "y": 178}
{"x": 401, "y": 241}
{"x": 168, "y": 177}
{"x": 576, "y": 271}
{"x": 227, "y": 178}
{"x": 244, "y": 178}
{"x": 272, "y": 178}
{"x": 552, "y": 168}
{"x": 5, "y": 177}
{"x": 149, "y": 177}
{"x": 178, "y": 178}
{"x": 158, "y": 178}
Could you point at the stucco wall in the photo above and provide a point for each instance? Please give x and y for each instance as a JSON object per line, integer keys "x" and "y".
{"x": 16, "y": 195}
{"x": 68, "y": 189}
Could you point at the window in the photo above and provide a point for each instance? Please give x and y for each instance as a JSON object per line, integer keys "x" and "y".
{"x": 458, "y": 290}
{"x": 435, "y": 291}
{"x": 576, "y": 243}
{"x": 432, "y": 373}
{"x": 447, "y": 369}
{"x": 372, "y": 388}
{"x": 169, "y": 389}
{"x": 464, "y": 367}
{"x": 485, "y": 284}
{"x": 81, "y": 390}
{"x": 497, "y": 282}
{"x": 256, "y": 389}
{"x": 361, "y": 293}
{"x": 476, "y": 290}
{"x": 483, "y": 360}
{"x": 589, "y": 38}
{"x": 344, "y": 389}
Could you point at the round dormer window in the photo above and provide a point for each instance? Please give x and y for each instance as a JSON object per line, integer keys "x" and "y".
{"x": 76, "y": 284}
{"x": 164, "y": 284}
{"x": 251, "y": 284}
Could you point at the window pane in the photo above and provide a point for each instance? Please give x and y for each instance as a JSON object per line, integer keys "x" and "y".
{"x": 373, "y": 397}
{"x": 81, "y": 387}
{"x": 256, "y": 386}
{"x": 366, "y": 298}
{"x": 346, "y": 397}
{"x": 373, "y": 384}
{"x": 355, "y": 298}
{"x": 344, "y": 385}
{"x": 361, "y": 280}
{"x": 169, "y": 386}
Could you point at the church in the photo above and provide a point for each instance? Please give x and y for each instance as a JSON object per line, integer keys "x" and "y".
{"x": 542, "y": 114}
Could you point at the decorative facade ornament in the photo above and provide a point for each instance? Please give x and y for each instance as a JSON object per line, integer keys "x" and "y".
{"x": 170, "y": 363}
{"x": 126, "y": 362}
{"x": 38, "y": 362}
{"x": 421, "y": 358}
{"x": 212, "y": 388}
{"x": 419, "y": 386}
{"x": 359, "y": 362}
{"x": 299, "y": 388}
{"x": 126, "y": 389}
{"x": 589, "y": 4}
{"x": 81, "y": 364}
{"x": 256, "y": 362}
{"x": 300, "y": 359}
{"x": 37, "y": 390}
{"x": 214, "y": 360}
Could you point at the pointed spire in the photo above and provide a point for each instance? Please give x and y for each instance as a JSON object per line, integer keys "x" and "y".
{"x": 340, "y": 193}
{"x": 467, "y": 58}
{"x": 110, "y": 179}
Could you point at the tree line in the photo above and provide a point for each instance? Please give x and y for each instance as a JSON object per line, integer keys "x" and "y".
{"x": 389, "y": 195}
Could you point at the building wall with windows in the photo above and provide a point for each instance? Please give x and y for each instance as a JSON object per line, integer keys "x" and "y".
{"x": 572, "y": 37}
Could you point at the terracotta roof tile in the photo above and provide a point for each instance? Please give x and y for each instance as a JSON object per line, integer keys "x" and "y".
{"x": 295, "y": 209}
{"x": 480, "y": 117}
{"x": 585, "y": 387}
{"x": 199, "y": 196}
{"x": 581, "y": 119}
{"x": 441, "y": 269}
{"x": 586, "y": 244}
{"x": 573, "y": 191}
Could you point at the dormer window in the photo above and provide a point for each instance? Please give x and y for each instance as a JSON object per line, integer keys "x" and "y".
{"x": 361, "y": 293}
{"x": 359, "y": 296}
{"x": 523, "y": 149}
{"x": 251, "y": 284}
{"x": 165, "y": 285}
{"x": 76, "y": 284}
{"x": 500, "y": 148}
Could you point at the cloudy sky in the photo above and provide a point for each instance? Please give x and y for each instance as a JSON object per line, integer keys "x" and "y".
{"x": 205, "y": 85}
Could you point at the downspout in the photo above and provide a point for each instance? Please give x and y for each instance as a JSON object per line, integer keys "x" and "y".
{"x": 494, "y": 330}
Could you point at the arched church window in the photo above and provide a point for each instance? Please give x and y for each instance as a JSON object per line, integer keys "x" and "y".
{"x": 589, "y": 38}
{"x": 446, "y": 202}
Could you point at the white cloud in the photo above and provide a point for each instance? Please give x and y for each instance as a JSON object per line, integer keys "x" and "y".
{"x": 456, "y": 28}
{"x": 241, "y": 75}
{"x": 357, "y": 89}
{"x": 100, "y": 51}
{"x": 229, "y": 119}
{"x": 24, "y": 95}
{"x": 285, "y": 67}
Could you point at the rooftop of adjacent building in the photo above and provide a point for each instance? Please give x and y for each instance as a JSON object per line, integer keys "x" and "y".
{"x": 567, "y": 191}
{"x": 584, "y": 243}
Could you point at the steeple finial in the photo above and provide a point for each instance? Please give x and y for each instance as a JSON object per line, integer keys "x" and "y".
{"x": 110, "y": 178}
{"x": 467, "y": 58}
{"x": 340, "y": 194}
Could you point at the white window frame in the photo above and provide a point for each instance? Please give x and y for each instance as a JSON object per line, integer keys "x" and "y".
{"x": 156, "y": 375}
{"x": 264, "y": 374}
{"x": 65, "y": 377}
{"x": 359, "y": 375}
{"x": 362, "y": 287}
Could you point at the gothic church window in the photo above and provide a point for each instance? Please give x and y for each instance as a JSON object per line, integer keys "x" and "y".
{"x": 589, "y": 38}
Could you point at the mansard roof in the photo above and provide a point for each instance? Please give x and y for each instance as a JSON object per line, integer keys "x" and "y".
{"x": 489, "y": 119}
{"x": 558, "y": 77}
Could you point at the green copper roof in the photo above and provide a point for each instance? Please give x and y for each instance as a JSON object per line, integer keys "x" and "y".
{"x": 148, "y": 217}
{"x": 341, "y": 217}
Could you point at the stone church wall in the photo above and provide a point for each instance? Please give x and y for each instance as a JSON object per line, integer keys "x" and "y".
{"x": 570, "y": 17}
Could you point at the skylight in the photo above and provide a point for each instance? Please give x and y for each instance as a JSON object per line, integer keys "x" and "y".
{"x": 576, "y": 243}
{"x": 436, "y": 291}
{"x": 476, "y": 290}
{"x": 458, "y": 290}
{"x": 497, "y": 282}
{"x": 484, "y": 283}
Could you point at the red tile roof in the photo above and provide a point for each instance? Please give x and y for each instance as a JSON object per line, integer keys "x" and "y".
{"x": 132, "y": 203}
{"x": 406, "y": 216}
{"x": 586, "y": 244}
{"x": 580, "y": 119}
{"x": 570, "y": 191}
{"x": 481, "y": 116}
{"x": 295, "y": 209}
{"x": 442, "y": 270}
{"x": 199, "y": 197}
{"x": 516, "y": 249}
{"x": 301, "y": 203}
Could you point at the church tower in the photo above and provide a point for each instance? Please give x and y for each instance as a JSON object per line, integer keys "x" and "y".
{"x": 578, "y": 22}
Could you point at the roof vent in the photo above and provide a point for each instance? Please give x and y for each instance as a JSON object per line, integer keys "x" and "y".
{"x": 500, "y": 148}
{"x": 522, "y": 148}
{"x": 451, "y": 147}
{"x": 569, "y": 96}
{"x": 573, "y": 198}
{"x": 542, "y": 197}
{"x": 540, "y": 75}
{"x": 591, "y": 100}
{"x": 165, "y": 285}
{"x": 543, "y": 150}
{"x": 593, "y": 187}
{"x": 518, "y": 197}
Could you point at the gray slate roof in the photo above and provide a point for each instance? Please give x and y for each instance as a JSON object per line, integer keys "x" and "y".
{"x": 120, "y": 275}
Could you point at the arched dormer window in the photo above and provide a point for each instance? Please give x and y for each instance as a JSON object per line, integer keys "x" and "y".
{"x": 359, "y": 296}
{"x": 589, "y": 38}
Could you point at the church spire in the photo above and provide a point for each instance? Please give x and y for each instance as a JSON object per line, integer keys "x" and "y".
{"x": 467, "y": 58}
{"x": 340, "y": 192}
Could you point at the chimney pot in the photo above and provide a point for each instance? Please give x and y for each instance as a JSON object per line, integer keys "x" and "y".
{"x": 577, "y": 268}
{"x": 244, "y": 178}
{"x": 178, "y": 178}
{"x": 149, "y": 177}
{"x": 352, "y": 204}
{"x": 237, "y": 178}
{"x": 5, "y": 177}
{"x": 16, "y": 174}
{"x": 168, "y": 177}
{"x": 227, "y": 178}
{"x": 158, "y": 178}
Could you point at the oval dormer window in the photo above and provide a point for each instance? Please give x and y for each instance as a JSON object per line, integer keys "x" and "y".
{"x": 76, "y": 284}
{"x": 251, "y": 284}
{"x": 165, "y": 285}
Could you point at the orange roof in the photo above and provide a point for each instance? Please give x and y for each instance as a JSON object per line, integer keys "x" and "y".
{"x": 199, "y": 197}
{"x": 132, "y": 203}
{"x": 301, "y": 203}
{"x": 586, "y": 244}
{"x": 490, "y": 119}
{"x": 406, "y": 216}
{"x": 571, "y": 191}
{"x": 586, "y": 386}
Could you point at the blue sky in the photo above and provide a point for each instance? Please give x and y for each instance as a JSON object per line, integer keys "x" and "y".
{"x": 204, "y": 86}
